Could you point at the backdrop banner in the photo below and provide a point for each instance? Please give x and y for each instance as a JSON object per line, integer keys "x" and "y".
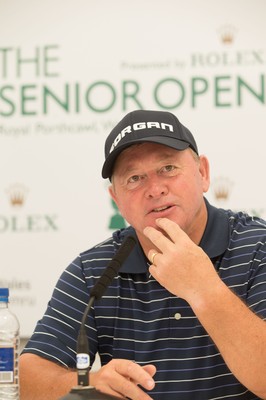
{"x": 68, "y": 73}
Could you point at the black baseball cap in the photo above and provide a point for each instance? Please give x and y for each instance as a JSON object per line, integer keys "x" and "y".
{"x": 139, "y": 126}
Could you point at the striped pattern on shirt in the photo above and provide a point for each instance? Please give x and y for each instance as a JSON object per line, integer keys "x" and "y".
{"x": 139, "y": 320}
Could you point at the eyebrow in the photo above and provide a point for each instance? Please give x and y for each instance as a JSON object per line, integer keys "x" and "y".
{"x": 166, "y": 156}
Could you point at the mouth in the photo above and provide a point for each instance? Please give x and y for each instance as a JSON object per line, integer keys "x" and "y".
{"x": 162, "y": 209}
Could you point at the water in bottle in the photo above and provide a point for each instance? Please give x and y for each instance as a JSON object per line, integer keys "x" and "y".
{"x": 9, "y": 348}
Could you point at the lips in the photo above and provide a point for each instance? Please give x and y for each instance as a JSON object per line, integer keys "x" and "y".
{"x": 160, "y": 209}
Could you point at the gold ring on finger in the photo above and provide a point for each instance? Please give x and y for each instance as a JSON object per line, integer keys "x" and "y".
{"x": 152, "y": 257}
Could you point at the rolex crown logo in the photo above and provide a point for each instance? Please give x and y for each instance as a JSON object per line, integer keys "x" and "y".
{"x": 222, "y": 188}
{"x": 221, "y": 193}
{"x": 17, "y": 194}
{"x": 227, "y": 34}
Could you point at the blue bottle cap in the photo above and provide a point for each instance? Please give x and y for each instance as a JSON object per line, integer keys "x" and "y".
{"x": 4, "y": 293}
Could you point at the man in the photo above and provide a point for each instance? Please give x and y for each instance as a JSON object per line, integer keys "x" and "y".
{"x": 184, "y": 319}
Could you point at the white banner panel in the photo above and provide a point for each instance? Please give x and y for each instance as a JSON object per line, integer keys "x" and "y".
{"x": 69, "y": 71}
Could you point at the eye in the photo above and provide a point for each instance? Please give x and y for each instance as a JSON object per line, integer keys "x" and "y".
{"x": 134, "y": 179}
{"x": 169, "y": 170}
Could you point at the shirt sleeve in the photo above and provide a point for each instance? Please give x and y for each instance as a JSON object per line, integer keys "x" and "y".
{"x": 55, "y": 335}
{"x": 256, "y": 294}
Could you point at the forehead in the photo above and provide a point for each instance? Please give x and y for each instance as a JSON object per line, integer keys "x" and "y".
{"x": 143, "y": 152}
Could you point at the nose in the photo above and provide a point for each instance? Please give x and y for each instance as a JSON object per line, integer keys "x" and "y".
{"x": 156, "y": 188}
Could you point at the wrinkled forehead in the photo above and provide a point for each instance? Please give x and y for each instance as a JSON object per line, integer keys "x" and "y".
{"x": 141, "y": 152}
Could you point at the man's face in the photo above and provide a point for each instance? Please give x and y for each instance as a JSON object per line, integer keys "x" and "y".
{"x": 152, "y": 181}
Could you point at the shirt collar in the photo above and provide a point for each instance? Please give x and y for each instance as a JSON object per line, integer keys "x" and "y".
{"x": 216, "y": 236}
{"x": 214, "y": 241}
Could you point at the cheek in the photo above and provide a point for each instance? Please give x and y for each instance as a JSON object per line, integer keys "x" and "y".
{"x": 122, "y": 209}
{"x": 121, "y": 202}
{"x": 190, "y": 189}
{"x": 129, "y": 206}
{"x": 201, "y": 184}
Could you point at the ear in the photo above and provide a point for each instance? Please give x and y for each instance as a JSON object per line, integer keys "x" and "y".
{"x": 204, "y": 169}
{"x": 112, "y": 193}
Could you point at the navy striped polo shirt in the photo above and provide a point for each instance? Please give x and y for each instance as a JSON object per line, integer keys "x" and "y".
{"x": 138, "y": 319}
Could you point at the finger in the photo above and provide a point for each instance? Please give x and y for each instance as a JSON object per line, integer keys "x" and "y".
{"x": 150, "y": 368}
{"x": 126, "y": 387}
{"x": 127, "y": 378}
{"x": 129, "y": 388}
{"x": 152, "y": 254}
{"x": 139, "y": 375}
{"x": 121, "y": 386}
{"x": 122, "y": 377}
{"x": 172, "y": 229}
{"x": 158, "y": 239}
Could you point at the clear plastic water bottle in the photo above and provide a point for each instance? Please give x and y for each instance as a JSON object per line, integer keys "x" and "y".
{"x": 9, "y": 348}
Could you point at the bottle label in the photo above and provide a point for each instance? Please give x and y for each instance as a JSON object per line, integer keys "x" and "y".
{"x": 6, "y": 364}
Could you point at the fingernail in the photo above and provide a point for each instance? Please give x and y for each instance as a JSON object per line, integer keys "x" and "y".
{"x": 150, "y": 383}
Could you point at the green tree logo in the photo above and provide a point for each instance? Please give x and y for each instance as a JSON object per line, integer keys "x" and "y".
{"x": 116, "y": 220}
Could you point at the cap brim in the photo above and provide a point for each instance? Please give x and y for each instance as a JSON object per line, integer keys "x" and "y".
{"x": 165, "y": 140}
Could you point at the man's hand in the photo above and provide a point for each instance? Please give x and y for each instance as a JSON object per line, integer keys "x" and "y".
{"x": 180, "y": 266}
{"x": 185, "y": 270}
{"x": 124, "y": 378}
